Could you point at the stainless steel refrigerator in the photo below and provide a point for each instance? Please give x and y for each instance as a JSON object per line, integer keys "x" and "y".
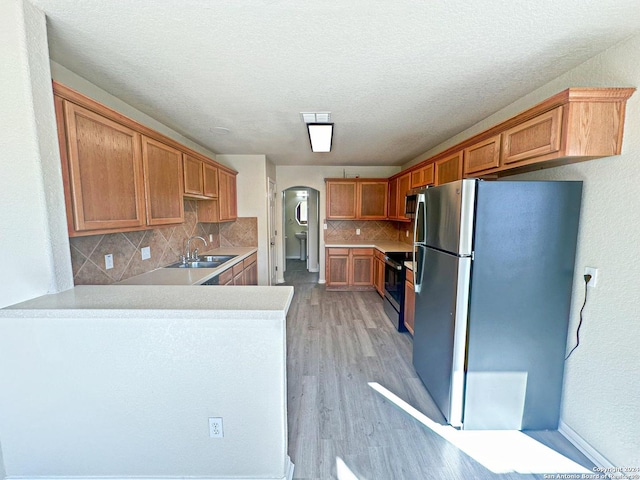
{"x": 494, "y": 266}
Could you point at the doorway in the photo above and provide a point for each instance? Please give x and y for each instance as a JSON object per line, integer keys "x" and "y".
{"x": 301, "y": 225}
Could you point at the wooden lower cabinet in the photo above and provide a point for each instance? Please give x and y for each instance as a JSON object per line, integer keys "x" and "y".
{"x": 250, "y": 265}
{"x": 242, "y": 273}
{"x": 349, "y": 268}
{"x": 409, "y": 302}
{"x": 378, "y": 271}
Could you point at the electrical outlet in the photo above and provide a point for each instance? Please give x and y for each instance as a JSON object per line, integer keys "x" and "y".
{"x": 211, "y": 238}
{"x": 145, "y": 252}
{"x": 593, "y": 283}
{"x": 215, "y": 427}
{"x": 108, "y": 261}
{"x": 407, "y": 232}
{"x": 324, "y": 225}
{"x": 357, "y": 231}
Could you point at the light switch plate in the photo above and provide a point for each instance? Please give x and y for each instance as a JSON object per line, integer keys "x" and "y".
{"x": 357, "y": 231}
{"x": 145, "y": 252}
{"x": 108, "y": 261}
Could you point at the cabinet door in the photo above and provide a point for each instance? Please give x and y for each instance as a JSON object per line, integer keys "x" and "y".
{"x": 393, "y": 199}
{"x": 482, "y": 156}
{"x": 449, "y": 169}
{"x": 209, "y": 180}
{"x": 250, "y": 265}
{"x": 163, "y": 182}
{"x": 422, "y": 176}
{"x": 378, "y": 274}
{"x": 341, "y": 200}
{"x": 238, "y": 274}
{"x": 227, "y": 196}
{"x": 539, "y": 136}
{"x": 337, "y": 266}
{"x": 404, "y": 185}
{"x": 251, "y": 274}
{"x": 409, "y": 306}
{"x": 105, "y": 170}
{"x": 372, "y": 200}
{"x": 361, "y": 266}
{"x": 193, "y": 181}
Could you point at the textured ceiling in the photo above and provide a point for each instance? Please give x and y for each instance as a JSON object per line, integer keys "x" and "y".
{"x": 398, "y": 76}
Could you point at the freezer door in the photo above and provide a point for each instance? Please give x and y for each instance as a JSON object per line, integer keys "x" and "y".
{"x": 450, "y": 216}
{"x": 439, "y": 341}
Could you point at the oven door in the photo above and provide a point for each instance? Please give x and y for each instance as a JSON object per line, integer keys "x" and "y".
{"x": 393, "y": 282}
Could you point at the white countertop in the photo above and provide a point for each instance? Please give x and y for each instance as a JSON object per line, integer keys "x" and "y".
{"x": 190, "y": 276}
{"x": 147, "y": 300}
{"x": 383, "y": 246}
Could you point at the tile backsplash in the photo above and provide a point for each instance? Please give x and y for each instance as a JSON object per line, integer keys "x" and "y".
{"x": 344, "y": 231}
{"x": 166, "y": 245}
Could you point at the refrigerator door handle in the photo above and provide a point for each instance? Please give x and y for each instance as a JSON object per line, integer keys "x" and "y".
{"x": 421, "y": 212}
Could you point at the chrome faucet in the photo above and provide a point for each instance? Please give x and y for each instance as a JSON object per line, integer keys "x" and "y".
{"x": 188, "y": 254}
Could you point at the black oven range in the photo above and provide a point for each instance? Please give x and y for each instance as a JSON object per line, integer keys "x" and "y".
{"x": 394, "y": 278}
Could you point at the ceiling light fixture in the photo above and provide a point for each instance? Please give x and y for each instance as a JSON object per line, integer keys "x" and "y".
{"x": 320, "y": 130}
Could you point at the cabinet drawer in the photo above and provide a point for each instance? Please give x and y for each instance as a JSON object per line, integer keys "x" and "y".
{"x": 337, "y": 251}
{"x": 362, "y": 252}
{"x": 539, "y": 136}
{"x": 482, "y": 156}
{"x": 250, "y": 259}
{"x": 378, "y": 254}
{"x": 225, "y": 277}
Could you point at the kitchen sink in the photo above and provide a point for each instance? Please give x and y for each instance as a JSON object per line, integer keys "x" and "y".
{"x": 205, "y": 261}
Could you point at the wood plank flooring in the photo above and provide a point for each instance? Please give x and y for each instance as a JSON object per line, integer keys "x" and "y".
{"x": 339, "y": 427}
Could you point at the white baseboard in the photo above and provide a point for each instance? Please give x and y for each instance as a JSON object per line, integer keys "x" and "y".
{"x": 314, "y": 270}
{"x": 290, "y": 467}
{"x": 287, "y": 476}
{"x": 581, "y": 444}
{"x": 322, "y": 281}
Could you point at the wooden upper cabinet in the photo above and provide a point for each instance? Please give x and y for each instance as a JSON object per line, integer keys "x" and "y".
{"x": 372, "y": 200}
{"x": 341, "y": 199}
{"x": 392, "y": 209}
{"x": 227, "y": 196}
{"x": 106, "y": 185}
{"x": 539, "y": 136}
{"x": 423, "y": 176}
{"x": 193, "y": 178}
{"x": 449, "y": 169}
{"x": 484, "y": 155}
{"x": 163, "y": 186}
{"x": 200, "y": 178}
{"x": 209, "y": 180}
{"x": 398, "y": 188}
{"x": 404, "y": 185}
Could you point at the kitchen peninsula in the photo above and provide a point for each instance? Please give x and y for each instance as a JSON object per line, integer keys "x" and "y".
{"x": 133, "y": 369}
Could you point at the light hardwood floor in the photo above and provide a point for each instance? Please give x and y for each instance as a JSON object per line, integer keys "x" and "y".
{"x": 339, "y": 427}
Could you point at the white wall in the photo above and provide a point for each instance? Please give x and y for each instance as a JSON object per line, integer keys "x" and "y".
{"x": 292, "y": 244}
{"x": 124, "y": 395}
{"x": 34, "y": 248}
{"x": 72, "y": 80}
{"x": 252, "y": 201}
{"x": 313, "y": 233}
{"x": 313, "y": 177}
{"x": 601, "y": 398}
